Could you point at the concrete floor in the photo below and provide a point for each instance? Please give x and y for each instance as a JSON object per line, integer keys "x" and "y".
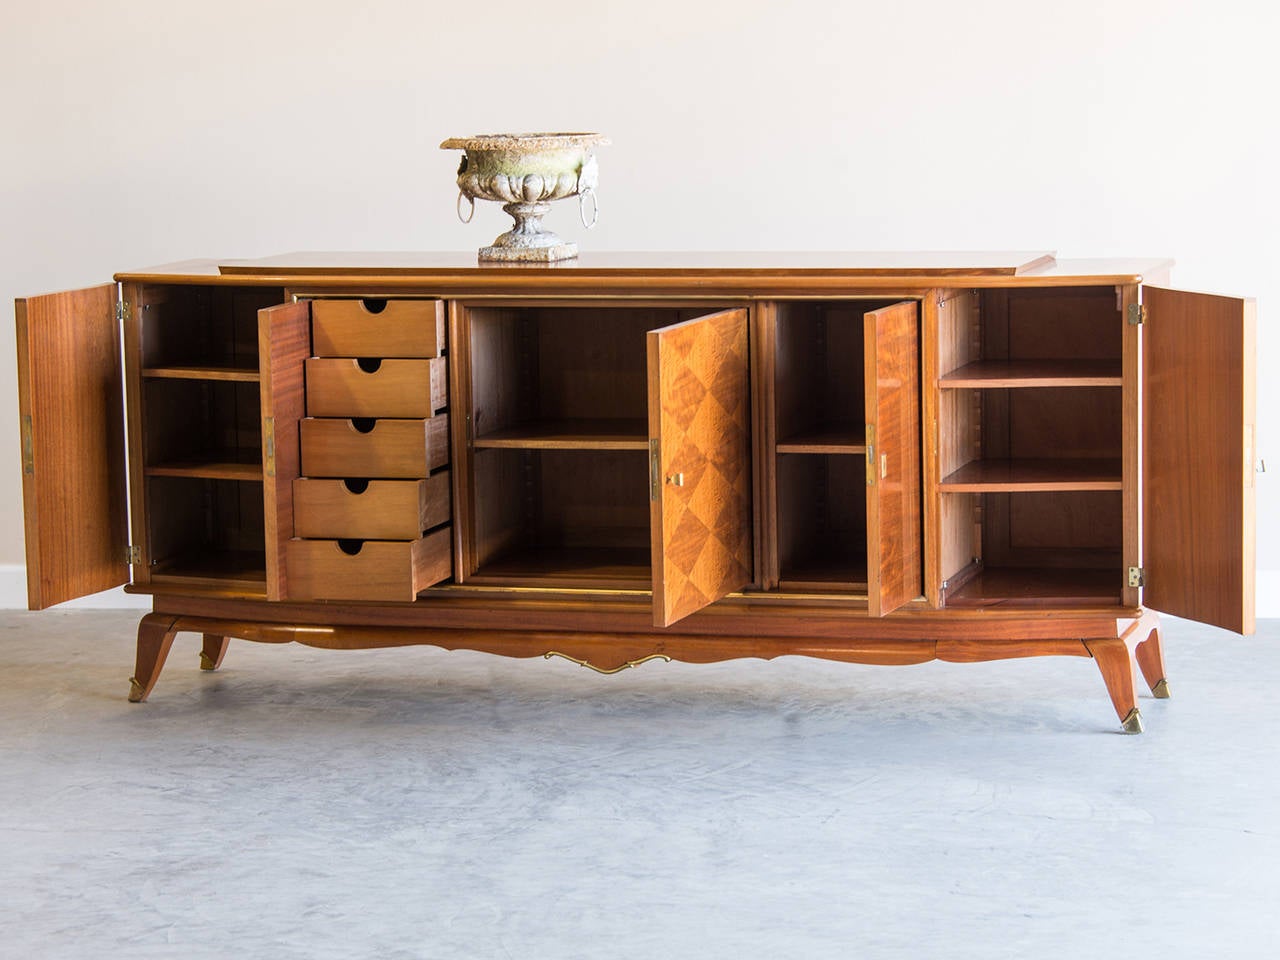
{"x": 415, "y": 803}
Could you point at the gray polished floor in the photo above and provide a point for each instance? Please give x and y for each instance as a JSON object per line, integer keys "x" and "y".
{"x": 415, "y": 803}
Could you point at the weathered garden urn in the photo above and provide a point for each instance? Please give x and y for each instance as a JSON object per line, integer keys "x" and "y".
{"x": 525, "y": 172}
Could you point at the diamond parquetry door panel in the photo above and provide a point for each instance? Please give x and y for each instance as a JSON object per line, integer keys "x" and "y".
{"x": 700, "y": 462}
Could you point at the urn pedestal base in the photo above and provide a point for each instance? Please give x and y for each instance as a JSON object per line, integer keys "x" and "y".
{"x": 559, "y": 251}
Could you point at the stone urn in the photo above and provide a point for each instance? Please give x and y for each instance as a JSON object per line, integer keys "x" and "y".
{"x": 525, "y": 172}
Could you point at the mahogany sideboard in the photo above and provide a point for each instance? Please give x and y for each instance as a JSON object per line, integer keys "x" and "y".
{"x": 877, "y": 458}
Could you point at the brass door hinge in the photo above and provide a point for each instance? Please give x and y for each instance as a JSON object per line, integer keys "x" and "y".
{"x": 655, "y": 471}
{"x": 871, "y": 455}
{"x": 1137, "y": 314}
{"x": 269, "y": 446}
{"x": 122, "y": 311}
{"x": 28, "y": 447}
{"x": 132, "y": 554}
{"x": 1137, "y": 577}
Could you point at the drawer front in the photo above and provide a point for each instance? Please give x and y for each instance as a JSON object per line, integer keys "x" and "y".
{"x": 376, "y": 388}
{"x": 389, "y": 449}
{"x": 373, "y": 570}
{"x": 401, "y": 328}
{"x": 373, "y": 510}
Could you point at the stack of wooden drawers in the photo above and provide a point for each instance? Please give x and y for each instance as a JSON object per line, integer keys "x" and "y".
{"x": 372, "y": 507}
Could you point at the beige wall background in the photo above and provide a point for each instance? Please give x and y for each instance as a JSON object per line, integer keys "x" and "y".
{"x": 144, "y": 132}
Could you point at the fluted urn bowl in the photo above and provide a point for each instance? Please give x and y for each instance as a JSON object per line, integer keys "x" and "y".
{"x": 525, "y": 172}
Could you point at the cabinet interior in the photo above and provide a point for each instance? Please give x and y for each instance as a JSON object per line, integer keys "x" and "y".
{"x": 199, "y": 406}
{"x": 819, "y": 455}
{"x": 559, "y": 421}
{"x": 200, "y": 528}
{"x": 1030, "y": 446}
{"x": 1029, "y": 404}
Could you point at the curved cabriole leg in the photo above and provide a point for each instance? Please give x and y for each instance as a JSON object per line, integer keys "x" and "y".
{"x": 1150, "y": 657}
{"x": 1116, "y": 665}
{"x": 214, "y": 649}
{"x": 155, "y": 637}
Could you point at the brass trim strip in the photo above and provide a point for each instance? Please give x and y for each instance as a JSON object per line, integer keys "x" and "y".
{"x": 591, "y": 666}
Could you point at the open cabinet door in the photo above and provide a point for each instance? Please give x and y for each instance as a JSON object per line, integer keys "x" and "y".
{"x": 700, "y": 462}
{"x": 891, "y": 338}
{"x": 284, "y": 343}
{"x": 1198, "y": 452}
{"x": 71, "y": 405}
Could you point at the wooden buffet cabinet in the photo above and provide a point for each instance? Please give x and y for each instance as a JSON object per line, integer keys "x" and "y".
{"x": 878, "y": 458}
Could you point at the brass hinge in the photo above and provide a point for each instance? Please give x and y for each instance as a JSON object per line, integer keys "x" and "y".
{"x": 269, "y": 446}
{"x": 1137, "y": 314}
{"x": 132, "y": 554}
{"x": 871, "y": 455}
{"x": 655, "y": 471}
{"x": 28, "y": 447}
{"x": 122, "y": 311}
{"x": 1137, "y": 577}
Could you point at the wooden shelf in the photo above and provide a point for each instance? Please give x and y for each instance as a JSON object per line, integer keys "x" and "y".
{"x": 1020, "y": 476}
{"x": 570, "y": 435}
{"x": 235, "y": 374}
{"x": 606, "y": 567}
{"x": 996, "y": 374}
{"x": 1037, "y": 586}
{"x": 838, "y": 438}
{"x": 242, "y": 566}
{"x": 824, "y": 573}
{"x": 212, "y": 467}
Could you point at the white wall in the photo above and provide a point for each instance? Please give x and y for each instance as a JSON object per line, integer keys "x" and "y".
{"x": 147, "y": 131}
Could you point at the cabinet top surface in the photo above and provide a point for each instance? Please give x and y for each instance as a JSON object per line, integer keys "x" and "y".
{"x": 743, "y": 271}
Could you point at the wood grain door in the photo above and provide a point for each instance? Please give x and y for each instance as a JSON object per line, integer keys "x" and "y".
{"x": 284, "y": 343}
{"x": 700, "y": 462}
{"x": 891, "y": 338}
{"x": 1198, "y": 453}
{"x": 71, "y": 405}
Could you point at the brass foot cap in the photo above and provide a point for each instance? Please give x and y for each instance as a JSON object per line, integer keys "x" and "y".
{"x": 135, "y": 690}
{"x": 1161, "y": 690}
{"x": 206, "y": 662}
{"x": 1133, "y": 722}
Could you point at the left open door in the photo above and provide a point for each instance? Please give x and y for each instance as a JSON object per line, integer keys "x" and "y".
{"x": 71, "y": 409}
{"x": 284, "y": 343}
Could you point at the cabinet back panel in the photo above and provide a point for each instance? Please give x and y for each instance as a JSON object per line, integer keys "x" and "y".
{"x": 216, "y": 420}
{"x": 1056, "y": 422}
{"x": 592, "y": 363}
{"x": 822, "y": 514}
{"x": 561, "y": 363}
{"x": 193, "y": 520}
{"x": 818, "y": 365}
{"x": 530, "y": 500}
{"x": 596, "y": 499}
{"x": 1062, "y": 529}
{"x": 201, "y": 326}
{"x": 1052, "y": 324}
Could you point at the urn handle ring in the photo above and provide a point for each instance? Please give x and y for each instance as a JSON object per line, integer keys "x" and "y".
{"x": 461, "y": 196}
{"x": 582, "y": 207}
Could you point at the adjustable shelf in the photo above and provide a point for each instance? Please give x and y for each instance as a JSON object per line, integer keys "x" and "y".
{"x": 210, "y": 467}
{"x": 223, "y": 373}
{"x": 1023, "y": 476}
{"x": 575, "y": 434}
{"x": 1017, "y": 374}
{"x": 1038, "y": 586}
{"x": 834, "y": 438}
{"x": 569, "y": 567}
